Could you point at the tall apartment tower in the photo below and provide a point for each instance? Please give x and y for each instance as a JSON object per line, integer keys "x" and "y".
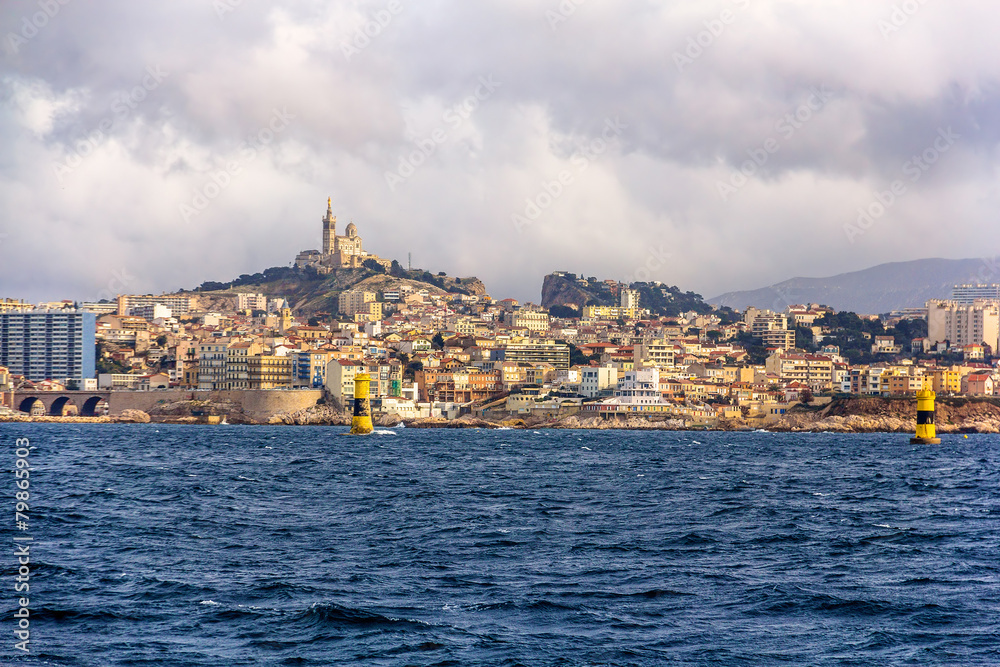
{"x": 49, "y": 345}
{"x": 964, "y": 324}
{"x": 629, "y": 298}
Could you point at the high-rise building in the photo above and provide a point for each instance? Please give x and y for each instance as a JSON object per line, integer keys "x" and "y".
{"x": 49, "y": 345}
{"x": 179, "y": 305}
{"x": 247, "y": 301}
{"x": 968, "y": 294}
{"x": 964, "y": 324}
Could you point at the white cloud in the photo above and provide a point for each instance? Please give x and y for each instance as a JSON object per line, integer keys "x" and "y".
{"x": 354, "y": 118}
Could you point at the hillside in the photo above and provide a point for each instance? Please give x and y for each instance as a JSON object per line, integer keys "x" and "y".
{"x": 880, "y": 289}
{"x": 571, "y": 291}
{"x": 309, "y": 292}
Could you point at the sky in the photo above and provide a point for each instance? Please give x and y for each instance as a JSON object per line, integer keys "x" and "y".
{"x": 716, "y": 146}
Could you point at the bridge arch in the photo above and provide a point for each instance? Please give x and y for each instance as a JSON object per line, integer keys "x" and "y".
{"x": 28, "y": 404}
{"x": 91, "y": 406}
{"x": 59, "y": 406}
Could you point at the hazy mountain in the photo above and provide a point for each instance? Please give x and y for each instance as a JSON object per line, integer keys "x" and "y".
{"x": 879, "y": 289}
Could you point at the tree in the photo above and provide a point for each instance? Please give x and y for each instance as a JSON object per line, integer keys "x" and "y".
{"x": 412, "y": 369}
{"x": 373, "y": 265}
{"x": 397, "y": 270}
{"x": 313, "y": 322}
{"x": 564, "y": 312}
{"x": 161, "y": 340}
{"x": 806, "y": 396}
{"x": 804, "y": 338}
{"x": 438, "y": 341}
{"x": 576, "y": 357}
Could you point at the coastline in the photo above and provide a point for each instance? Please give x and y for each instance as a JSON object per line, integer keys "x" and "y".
{"x": 796, "y": 423}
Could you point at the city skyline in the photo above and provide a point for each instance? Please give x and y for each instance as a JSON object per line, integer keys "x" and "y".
{"x": 601, "y": 138}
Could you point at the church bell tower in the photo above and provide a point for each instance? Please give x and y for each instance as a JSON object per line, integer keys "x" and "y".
{"x": 329, "y": 229}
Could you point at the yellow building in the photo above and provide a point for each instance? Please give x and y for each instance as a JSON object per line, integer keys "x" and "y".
{"x": 268, "y": 371}
{"x": 947, "y": 380}
{"x": 610, "y": 313}
{"x": 532, "y": 320}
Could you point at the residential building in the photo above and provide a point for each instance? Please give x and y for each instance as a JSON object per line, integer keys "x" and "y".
{"x": 947, "y": 380}
{"x": 45, "y": 345}
{"x": 533, "y": 320}
{"x": 969, "y": 294}
{"x": 979, "y": 384}
{"x": 597, "y": 381}
{"x": 770, "y": 327}
{"x": 352, "y": 302}
{"x": 548, "y": 352}
{"x": 610, "y": 313}
{"x": 960, "y": 324}
{"x": 268, "y": 371}
{"x": 811, "y": 369}
{"x": 658, "y": 353}
{"x": 212, "y": 365}
{"x": 309, "y": 368}
{"x": 246, "y": 301}
{"x": 14, "y": 306}
{"x": 238, "y": 363}
{"x": 178, "y": 305}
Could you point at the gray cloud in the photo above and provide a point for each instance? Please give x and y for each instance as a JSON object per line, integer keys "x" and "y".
{"x": 357, "y": 104}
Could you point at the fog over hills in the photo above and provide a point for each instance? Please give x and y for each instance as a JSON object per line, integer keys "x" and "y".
{"x": 880, "y": 289}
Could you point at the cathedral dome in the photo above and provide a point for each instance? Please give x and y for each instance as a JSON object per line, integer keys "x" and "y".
{"x": 352, "y": 230}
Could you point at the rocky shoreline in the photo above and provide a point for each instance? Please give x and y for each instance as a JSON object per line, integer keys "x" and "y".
{"x": 851, "y": 415}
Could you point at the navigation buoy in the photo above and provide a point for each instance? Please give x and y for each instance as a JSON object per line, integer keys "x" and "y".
{"x": 361, "y": 424}
{"x": 926, "y": 433}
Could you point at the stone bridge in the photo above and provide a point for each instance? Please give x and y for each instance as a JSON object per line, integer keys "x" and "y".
{"x": 55, "y": 402}
{"x": 258, "y": 403}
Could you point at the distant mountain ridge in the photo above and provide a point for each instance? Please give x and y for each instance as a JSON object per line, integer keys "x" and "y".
{"x": 880, "y": 289}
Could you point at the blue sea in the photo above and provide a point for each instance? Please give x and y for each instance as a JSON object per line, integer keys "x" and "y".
{"x": 232, "y": 545}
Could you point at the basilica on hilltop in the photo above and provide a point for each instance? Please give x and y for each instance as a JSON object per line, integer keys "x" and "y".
{"x": 338, "y": 252}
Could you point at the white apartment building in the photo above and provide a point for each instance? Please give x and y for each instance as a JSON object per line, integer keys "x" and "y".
{"x": 594, "y": 381}
{"x": 964, "y": 324}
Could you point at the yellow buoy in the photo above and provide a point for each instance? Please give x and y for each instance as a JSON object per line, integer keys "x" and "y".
{"x": 926, "y": 433}
{"x": 361, "y": 424}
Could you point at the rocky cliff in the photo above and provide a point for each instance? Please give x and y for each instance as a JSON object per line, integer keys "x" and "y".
{"x": 560, "y": 291}
{"x": 894, "y": 415}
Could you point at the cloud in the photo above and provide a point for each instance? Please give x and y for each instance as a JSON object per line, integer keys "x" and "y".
{"x": 365, "y": 82}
